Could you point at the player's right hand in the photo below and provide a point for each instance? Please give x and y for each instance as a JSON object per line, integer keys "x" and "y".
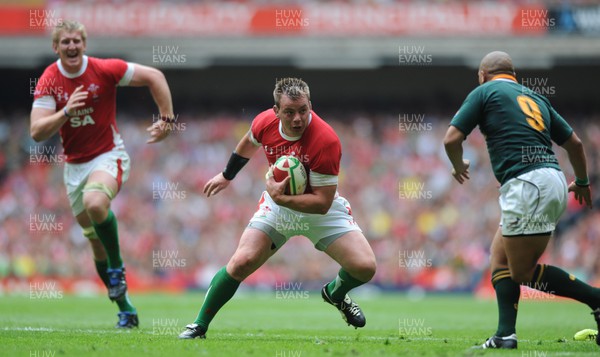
{"x": 158, "y": 131}
{"x": 462, "y": 173}
{"x": 582, "y": 194}
{"x": 216, "y": 185}
{"x": 76, "y": 100}
{"x": 276, "y": 189}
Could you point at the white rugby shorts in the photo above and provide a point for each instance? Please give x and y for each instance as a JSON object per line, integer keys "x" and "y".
{"x": 533, "y": 202}
{"x": 281, "y": 223}
{"x": 115, "y": 162}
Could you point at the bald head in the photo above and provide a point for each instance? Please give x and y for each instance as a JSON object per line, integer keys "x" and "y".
{"x": 495, "y": 63}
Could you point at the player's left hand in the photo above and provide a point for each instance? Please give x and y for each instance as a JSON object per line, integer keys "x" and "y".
{"x": 274, "y": 188}
{"x": 216, "y": 185}
{"x": 582, "y": 194}
{"x": 158, "y": 131}
{"x": 461, "y": 173}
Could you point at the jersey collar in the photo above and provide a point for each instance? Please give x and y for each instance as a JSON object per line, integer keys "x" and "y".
{"x": 293, "y": 138}
{"x": 505, "y": 77}
{"x": 73, "y": 75}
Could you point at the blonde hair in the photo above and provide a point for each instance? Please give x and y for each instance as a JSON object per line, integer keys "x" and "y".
{"x": 69, "y": 26}
{"x": 294, "y": 88}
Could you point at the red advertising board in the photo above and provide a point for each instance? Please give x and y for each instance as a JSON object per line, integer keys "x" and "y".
{"x": 316, "y": 19}
{"x": 20, "y": 20}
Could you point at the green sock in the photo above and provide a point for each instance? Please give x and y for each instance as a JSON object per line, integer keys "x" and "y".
{"x": 340, "y": 286}
{"x": 553, "y": 280}
{"x": 109, "y": 236}
{"x": 221, "y": 289}
{"x": 507, "y": 296}
{"x": 101, "y": 266}
{"x": 124, "y": 303}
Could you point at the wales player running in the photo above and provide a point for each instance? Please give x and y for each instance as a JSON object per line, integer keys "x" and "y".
{"x": 519, "y": 126}
{"x": 76, "y": 96}
{"x": 290, "y": 127}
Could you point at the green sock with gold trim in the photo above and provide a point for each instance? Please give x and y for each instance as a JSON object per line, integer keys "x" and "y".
{"x": 553, "y": 280}
{"x": 507, "y": 295}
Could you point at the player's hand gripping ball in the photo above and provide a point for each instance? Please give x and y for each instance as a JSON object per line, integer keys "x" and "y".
{"x": 290, "y": 166}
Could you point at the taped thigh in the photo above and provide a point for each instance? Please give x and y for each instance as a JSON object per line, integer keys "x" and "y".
{"x": 99, "y": 187}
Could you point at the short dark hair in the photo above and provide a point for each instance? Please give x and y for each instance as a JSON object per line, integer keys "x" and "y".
{"x": 294, "y": 88}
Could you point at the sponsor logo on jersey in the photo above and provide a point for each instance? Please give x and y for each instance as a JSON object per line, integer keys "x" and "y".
{"x": 82, "y": 117}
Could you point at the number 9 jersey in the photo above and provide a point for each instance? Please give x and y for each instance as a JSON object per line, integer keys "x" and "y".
{"x": 92, "y": 129}
{"x": 519, "y": 126}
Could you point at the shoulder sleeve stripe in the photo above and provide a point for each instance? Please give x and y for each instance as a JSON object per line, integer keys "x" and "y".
{"x": 46, "y": 102}
{"x": 317, "y": 179}
{"x": 127, "y": 76}
{"x": 253, "y": 139}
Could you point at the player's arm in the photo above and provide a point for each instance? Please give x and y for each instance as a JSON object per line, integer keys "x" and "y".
{"x": 324, "y": 167}
{"x": 463, "y": 122}
{"x": 581, "y": 185}
{"x": 46, "y": 122}
{"x": 453, "y": 144}
{"x": 244, "y": 150}
{"x": 154, "y": 79}
{"x": 319, "y": 201}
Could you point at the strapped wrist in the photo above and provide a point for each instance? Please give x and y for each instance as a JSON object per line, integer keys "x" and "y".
{"x": 65, "y": 112}
{"x": 234, "y": 165}
{"x": 582, "y": 182}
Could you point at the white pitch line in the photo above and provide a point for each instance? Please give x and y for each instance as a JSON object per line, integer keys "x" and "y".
{"x": 46, "y": 329}
{"x": 33, "y": 329}
{"x": 259, "y": 336}
{"x": 262, "y": 335}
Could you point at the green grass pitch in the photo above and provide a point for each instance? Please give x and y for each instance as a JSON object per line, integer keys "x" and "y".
{"x": 267, "y": 324}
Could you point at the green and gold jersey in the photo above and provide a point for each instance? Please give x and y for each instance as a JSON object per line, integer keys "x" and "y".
{"x": 519, "y": 126}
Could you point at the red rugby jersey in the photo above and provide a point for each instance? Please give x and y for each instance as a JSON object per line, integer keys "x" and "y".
{"x": 92, "y": 130}
{"x": 318, "y": 148}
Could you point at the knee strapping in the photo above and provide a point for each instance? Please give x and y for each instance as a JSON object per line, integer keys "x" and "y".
{"x": 99, "y": 187}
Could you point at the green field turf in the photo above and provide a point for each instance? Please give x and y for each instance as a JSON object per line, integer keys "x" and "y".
{"x": 267, "y": 325}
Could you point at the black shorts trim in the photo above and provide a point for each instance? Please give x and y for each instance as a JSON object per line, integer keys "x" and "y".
{"x": 529, "y": 235}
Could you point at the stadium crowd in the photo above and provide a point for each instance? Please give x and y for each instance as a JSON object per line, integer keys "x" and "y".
{"x": 426, "y": 230}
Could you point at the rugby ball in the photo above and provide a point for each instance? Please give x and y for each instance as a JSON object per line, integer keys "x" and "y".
{"x": 291, "y": 166}
{"x": 586, "y": 335}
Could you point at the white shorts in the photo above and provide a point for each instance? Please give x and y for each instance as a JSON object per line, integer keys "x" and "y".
{"x": 281, "y": 223}
{"x": 533, "y": 202}
{"x": 115, "y": 162}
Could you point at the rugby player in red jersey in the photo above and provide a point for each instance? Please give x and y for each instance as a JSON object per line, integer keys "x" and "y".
{"x": 321, "y": 214}
{"x": 76, "y": 96}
